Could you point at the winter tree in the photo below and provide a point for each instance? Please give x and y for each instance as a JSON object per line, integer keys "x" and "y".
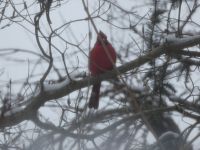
{"x": 150, "y": 100}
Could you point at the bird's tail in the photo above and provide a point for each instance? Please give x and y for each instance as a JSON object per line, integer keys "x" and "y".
{"x": 94, "y": 98}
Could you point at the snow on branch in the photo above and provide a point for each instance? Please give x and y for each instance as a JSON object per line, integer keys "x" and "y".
{"x": 184, "y": 42}
{"x": 26, "y": 109}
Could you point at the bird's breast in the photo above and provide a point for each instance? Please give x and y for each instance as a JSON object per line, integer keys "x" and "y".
{"x": 102, "y": 59}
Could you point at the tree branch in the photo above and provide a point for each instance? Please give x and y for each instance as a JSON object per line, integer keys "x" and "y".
{"x": 25, "y": 110}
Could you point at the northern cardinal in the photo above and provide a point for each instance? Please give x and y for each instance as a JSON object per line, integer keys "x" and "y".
{"x": 101, "y": 59}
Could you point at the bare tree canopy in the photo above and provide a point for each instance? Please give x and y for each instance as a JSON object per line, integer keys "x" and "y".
{"x": 150, "y": 99}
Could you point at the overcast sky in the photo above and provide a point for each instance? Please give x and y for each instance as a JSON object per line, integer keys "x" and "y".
{"x": 16, "y": 36}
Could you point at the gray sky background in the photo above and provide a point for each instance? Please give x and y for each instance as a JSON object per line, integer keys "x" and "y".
{"x": 16, "y": 36}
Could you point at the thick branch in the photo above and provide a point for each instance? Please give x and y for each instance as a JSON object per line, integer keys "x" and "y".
{"x": 58, "y": 90}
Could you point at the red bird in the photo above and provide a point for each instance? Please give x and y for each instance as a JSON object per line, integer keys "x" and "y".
{"x": 100, "y": 60}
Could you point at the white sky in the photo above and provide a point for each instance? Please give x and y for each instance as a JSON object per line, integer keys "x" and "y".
{"x": 16, "y": 36}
